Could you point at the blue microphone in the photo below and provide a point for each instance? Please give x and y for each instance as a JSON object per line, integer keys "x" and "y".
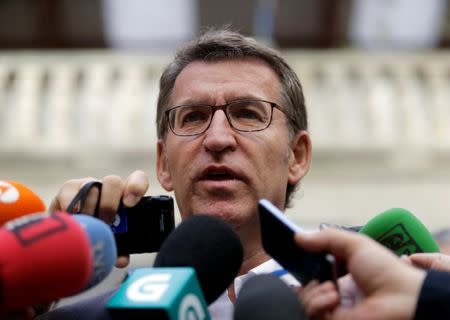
{"x": 103, "y": 247}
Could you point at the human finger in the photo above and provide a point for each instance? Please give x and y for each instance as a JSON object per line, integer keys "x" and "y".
{"x": 122, "y": 261}
{"x": 338, "y": 242}
{"x": 112, "y": 190}
{"x": 135, "y": 187}
{"x": 349, "y": 292}
{"x": 438, "y": 261}
{"x": 318, "y": 298}
{"x": 67, "y": 193}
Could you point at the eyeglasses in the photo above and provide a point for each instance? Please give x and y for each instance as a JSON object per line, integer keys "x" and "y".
{"x": 243, "y": 115}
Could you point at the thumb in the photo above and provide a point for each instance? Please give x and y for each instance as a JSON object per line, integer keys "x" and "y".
{"x": 436, "y": 261}
{"x": 122, "y": 261}
{"x": 406, "y": 259}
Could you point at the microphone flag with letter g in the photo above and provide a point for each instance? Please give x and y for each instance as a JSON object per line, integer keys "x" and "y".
{"x": 160, "y": 293}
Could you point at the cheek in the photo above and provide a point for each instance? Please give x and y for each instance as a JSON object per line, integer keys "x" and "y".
{"x": 273, "y": 162}
{"x": 176, "y": 154}
{"x": 274, "y": 152}
{"x": 180, "y": 160}
{"x": 177, "y": 166}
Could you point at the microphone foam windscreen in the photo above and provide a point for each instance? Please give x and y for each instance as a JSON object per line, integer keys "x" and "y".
{"x": 103, "y": 247}
{"x": 43, "y": 257}
{"x": 210, "y": 246}
{"x": 17, "y": 200}
{"x": 266, "y": 297}
{"x": 400, "y": 231}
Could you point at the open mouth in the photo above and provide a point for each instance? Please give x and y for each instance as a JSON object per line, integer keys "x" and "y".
{"x": 219, "y": 176}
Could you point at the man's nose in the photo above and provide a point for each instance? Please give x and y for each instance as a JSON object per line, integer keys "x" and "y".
{"x": 220, "y": 135}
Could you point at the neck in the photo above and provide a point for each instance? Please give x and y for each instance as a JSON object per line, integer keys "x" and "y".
{"x": 254, "y": 253}
{"x": 252, "y": 260}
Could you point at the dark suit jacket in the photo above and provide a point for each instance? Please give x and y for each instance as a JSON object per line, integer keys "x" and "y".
{"x": 434, "y": 298}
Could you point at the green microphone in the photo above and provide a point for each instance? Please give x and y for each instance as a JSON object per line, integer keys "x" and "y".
{"x": 399, "y": 230}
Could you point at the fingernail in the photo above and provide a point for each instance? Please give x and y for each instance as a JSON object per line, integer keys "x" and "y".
{"x": 130, "y": 200}
{"x": 304, "y": 235}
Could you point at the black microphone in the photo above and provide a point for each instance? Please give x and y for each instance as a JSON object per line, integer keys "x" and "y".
{"x": 266, "y": 297}
{"x": 195, "y": 265}
{"x": 210, "y": 246}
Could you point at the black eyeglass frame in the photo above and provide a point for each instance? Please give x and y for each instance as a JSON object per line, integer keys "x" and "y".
{"x": 224, "y": 109}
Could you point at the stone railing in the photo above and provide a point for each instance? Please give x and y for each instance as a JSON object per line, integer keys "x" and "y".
{"x": 359, "y": 101}
{"x": 61, "y": 101}
{"x": 380, "y": 125}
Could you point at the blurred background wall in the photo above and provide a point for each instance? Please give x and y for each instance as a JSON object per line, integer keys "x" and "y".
{"x": 79, "y": 82}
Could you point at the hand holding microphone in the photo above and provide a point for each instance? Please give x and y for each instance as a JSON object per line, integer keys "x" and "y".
{"x": 390, "y": 287}
{"x": 396, "y": 229}
{"x": 436, "y": 261}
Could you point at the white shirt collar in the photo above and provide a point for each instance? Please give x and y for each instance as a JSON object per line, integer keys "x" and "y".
{"x": 222, "y": 308}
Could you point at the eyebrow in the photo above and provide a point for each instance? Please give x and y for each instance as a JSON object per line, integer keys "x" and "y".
{"x": 190, "y": 101}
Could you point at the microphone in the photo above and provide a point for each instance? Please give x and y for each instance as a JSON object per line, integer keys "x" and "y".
{"x": 44, "y": 257}
{"x": 399, "y": 230}
{"x": 103, "y": 247}
{"x": 159, "y": 293}
{"x": 17, "y": 200}
{"x": 266, "y": 297}
{"x": 210, "y": 246}
{"x": 201, "y": 247}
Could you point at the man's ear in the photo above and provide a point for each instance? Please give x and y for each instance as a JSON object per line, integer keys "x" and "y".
{"x": 300, "y": 156}
{"x": 162, "y": 167}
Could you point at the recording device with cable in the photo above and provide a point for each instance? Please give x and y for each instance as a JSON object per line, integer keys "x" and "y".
{"x": 139, "y": 229}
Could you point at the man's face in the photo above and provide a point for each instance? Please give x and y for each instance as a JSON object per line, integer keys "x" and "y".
{"x": 224, "y": 172}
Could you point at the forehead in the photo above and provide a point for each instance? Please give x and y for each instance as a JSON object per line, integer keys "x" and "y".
{"x": 225, "y": 80}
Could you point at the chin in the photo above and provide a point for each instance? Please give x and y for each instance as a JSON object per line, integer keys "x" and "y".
{"x": 236, "y": 221}
{"x": 236, "y": 213}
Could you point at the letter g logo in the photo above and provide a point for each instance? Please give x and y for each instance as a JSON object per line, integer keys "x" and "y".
{"x": 149, "y": 288}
